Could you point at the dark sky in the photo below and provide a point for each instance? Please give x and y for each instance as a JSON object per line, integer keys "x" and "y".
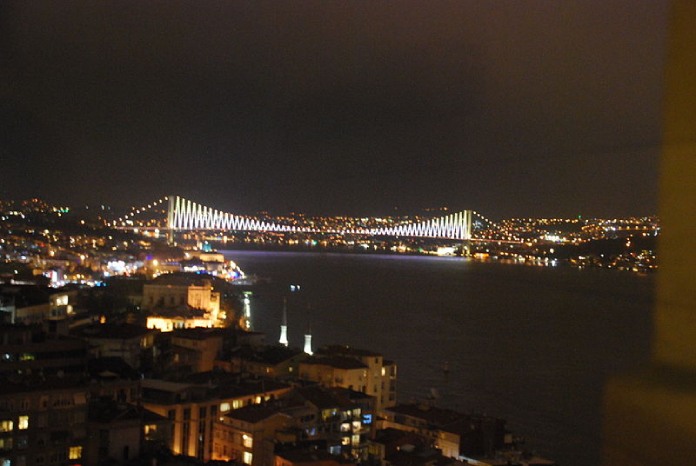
{"x": 511, "y": 108}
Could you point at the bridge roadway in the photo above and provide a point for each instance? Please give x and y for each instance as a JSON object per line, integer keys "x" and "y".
{"x": 186, "y": 215}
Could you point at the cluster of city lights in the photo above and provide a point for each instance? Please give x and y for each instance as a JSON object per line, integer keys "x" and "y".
{"x": 122, "y": 221}
{"x": 496, "y": 226}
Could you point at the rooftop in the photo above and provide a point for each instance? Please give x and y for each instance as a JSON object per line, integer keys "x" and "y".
{"x": 445, "y": 419}
{"x": 111, "y": 368}
{"x": 274, "y": 354}
{"x": 254, "y": 413}
{"x": 311, "y": 455}
{"x": 200, "y": 333}
{"x": 325, "y": 398}
{"x": 111, "y": 331}
{"x": 345, "y": 350}
{"x": 339, "y": 362}
{"x": 186, "y": 279}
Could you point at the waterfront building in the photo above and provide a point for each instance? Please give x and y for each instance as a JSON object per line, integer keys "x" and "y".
{"x": 272, "y": 361}
{"x": 356, "y": 369}
{"x": 341, "y": 417}
{"x": 388, "y": 442}
{"x": 179, "y": 302}
{"x": 457, "y": 435}
{"x": 309, "y": 456}
{"x": 172, "y": 290}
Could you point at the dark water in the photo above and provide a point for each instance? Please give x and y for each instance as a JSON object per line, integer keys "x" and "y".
{"x": 532, "y": 345}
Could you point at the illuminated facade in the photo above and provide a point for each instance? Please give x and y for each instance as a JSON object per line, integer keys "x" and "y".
{"x": 182, "y": 306}
{"x": 246, "y": 435}
{"x": 360, "y": 370}
{"x": 194, "y": 409}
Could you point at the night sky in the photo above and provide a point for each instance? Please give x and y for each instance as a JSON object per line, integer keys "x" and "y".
{"x": 511, "y": 108}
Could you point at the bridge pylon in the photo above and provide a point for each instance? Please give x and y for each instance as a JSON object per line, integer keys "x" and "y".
{"x": 171, "y": 205}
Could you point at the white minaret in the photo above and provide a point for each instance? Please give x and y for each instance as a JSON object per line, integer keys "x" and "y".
{"x": 284, "y": 325}
{"x": 308, "y": 341}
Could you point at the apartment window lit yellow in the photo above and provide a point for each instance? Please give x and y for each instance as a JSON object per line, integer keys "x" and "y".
{"x": 6, "y": 426}
{"x": 23, "y": 422}
{"x": 75, "y": 453}
{"x": 247, "y": 441}
{"x": 247, "y": 457}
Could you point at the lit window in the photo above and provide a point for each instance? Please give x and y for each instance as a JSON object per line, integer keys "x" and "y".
{"x": 150, "y": 429}
{"x": 247, "y": 441}
{"x": 355, "y": 440}
{"x": 224, "y": 407}
{"x": 335, "y": 449}
{"x": 246, "y": 457}
{"x": 6, "y": 426}
{"x": 345, "y": 440}
{"x": 23, "y": 422}
{"x": 75, "y": 453}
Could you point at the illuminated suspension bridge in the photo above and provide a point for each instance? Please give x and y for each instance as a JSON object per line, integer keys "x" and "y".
{"x": 186, "y": 215}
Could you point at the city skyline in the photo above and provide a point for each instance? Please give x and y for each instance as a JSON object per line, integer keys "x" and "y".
{"x": 538, "y": 110}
